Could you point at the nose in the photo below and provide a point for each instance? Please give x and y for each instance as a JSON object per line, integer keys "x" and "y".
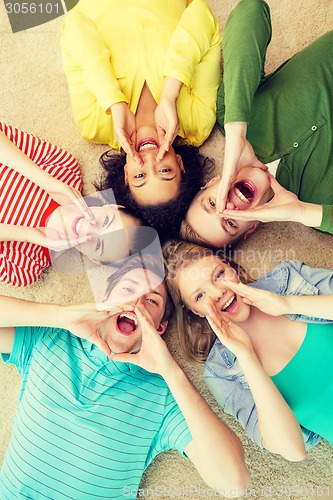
{"x": 88, "y": 229}
{"x": 217, "y": 293}
{"x": 230, "y": 205}
{"x": 149, "y": 158}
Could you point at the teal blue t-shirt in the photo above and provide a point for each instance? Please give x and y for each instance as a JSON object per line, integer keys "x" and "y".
{"x": 85, "y": 427}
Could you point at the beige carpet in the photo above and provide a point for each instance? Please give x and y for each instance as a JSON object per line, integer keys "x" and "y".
{"x": 34, "y": 97}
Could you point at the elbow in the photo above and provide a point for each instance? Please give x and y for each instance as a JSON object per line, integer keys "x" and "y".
{"x": 294, "y": 455}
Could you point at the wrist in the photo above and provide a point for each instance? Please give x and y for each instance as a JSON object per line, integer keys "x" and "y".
{"x": 247, "y": 359}
{"x": 170, "y": 370}
{"x": 118, "y": 105}
{"x": 236, "y": 129}
{"x": 311, "y": 215}
{"x": 171, "y": 89}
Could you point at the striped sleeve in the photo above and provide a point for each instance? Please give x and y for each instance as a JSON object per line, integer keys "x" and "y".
{"x": 174, "y": 433}
{"x": 25, "y": 339}
{"x": 22, "y": 263}
{"x": 56, "y": 161}
{"x": 23, "y": 203}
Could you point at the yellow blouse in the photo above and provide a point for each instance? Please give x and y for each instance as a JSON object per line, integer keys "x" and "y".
{"x": 111, "y": 47}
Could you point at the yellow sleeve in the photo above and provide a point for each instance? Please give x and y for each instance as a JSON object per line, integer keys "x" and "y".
{"x": 197, "y": 32}
{"x": 81, "y": 41}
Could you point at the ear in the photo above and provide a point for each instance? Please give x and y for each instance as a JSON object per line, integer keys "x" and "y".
{"x": 212, "y": 181}
{"x": 251, "y": 229}
{"x": 180, "y": 163}
{"x": 162, "y": 327}
{"x": 126, "y": 174}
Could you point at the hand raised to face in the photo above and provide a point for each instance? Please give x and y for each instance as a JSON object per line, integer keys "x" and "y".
{"x": 154, "y": 355}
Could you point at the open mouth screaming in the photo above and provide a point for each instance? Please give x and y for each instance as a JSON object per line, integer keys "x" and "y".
{"x": 127, "y": 323}
{"x": 245, "y": 191}
{"x": 230, "y": 305}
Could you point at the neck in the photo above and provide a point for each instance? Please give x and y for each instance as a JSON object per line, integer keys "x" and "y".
{"x": 255, "y": 318}
{"x": 145, "y": 113}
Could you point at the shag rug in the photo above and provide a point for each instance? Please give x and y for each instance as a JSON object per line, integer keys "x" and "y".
{"x": 34, "y": 97}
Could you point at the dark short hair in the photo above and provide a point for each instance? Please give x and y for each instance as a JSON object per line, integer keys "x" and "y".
{"x": 151, "y": 263}
{"x": 164, "y": 217}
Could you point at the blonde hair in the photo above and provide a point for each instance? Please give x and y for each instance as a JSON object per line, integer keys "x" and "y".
{"x": 188, "y": 234}
{"x": 196, "y": 338}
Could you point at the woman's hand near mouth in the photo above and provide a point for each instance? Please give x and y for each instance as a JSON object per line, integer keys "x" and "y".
{"x": 166, "y": 117}
{"x": 238, "y": 154}
{"x": 231, "y": 335}
{"x": 284, "y": 206}
{"x": 125, "y": 129}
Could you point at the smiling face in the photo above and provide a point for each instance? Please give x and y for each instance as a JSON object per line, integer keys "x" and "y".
{"x": 251, "y": 189}
{"x": 154, "y": 182}
{"x": 68, "y": 219}
{"x": 203, "y": 281}
{"x": 122, "y": 331}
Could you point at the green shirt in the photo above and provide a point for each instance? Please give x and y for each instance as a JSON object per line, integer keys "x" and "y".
{"x": 289, "y": 113}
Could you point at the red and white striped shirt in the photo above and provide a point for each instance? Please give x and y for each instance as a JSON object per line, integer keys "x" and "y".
{"x": 23, "y": 203}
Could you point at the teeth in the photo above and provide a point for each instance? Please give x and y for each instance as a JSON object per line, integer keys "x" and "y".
{"x": 78, "y": 225}
{"x": 147, "y": 146}
{"x": 241, "y": 196}
{"x": 227, "y": 304}
{"x": 129, "y": 316}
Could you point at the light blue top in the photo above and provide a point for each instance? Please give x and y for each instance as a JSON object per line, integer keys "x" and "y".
{"x": 223, "y": 373}
{"x": 85, "y": 427}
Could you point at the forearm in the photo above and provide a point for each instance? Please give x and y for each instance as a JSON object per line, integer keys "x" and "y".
{"x": 247, "y": 34}
{"x": 310, "y": 214}
{"x": 197, "y": 32}
{"x": 81, "y": 42}
{"x": 279, "y": 428}
{"x": 10, "y": 232}
{"x": 320, "y": 306}
{"x": 235, "y": 129}
{"x": 171, "y": 88}
{"x": 219, "y": 453}
{"x": 30, "y": 313}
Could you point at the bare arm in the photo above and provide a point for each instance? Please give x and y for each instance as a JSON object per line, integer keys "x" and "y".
{"x": 62, "y": 193}
{"x": 279, "y": 428}
{"x": 320, "y": 306}
{"x": 215, "y": 450}
{"x": 81, "y": 320}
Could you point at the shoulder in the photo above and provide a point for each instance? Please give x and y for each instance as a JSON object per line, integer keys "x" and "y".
{"x": 291, "y": 277}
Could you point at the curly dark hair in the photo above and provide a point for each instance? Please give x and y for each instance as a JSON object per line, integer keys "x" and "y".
{"x": 165, "y": 217}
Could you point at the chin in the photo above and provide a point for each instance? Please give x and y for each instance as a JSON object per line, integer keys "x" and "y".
{"x": 242, "y": 315}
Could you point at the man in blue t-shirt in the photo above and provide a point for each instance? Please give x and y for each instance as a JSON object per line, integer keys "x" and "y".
{"x": 102, "y": 396}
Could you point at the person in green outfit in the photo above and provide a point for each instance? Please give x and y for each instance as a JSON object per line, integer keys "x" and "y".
{"x": 285, "y": 118}
{"x": 267, "y": 346}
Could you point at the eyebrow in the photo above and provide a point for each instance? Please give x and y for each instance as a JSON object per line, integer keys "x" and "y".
{"x": 162, "y": 179}
{"x": 135, "y": 282}
{"x": 197, "y": 290}
{"x": 102, "y": 241}
{"x": 208, "y": 212}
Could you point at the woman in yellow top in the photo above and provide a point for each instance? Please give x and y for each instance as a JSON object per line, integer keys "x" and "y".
{"x": 141, "y": 72}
